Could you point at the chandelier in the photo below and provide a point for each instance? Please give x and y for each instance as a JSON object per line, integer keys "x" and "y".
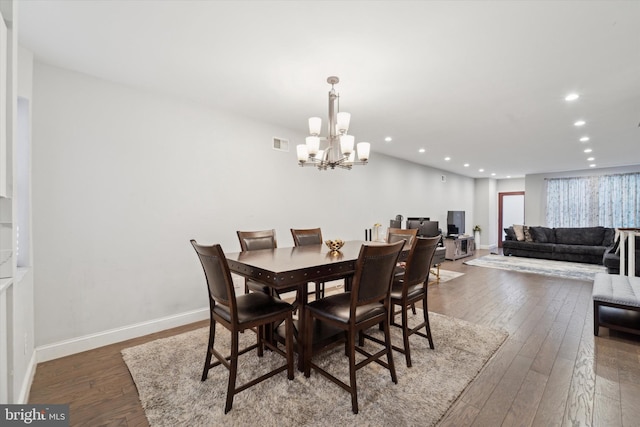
{"x": 339, "y": 150}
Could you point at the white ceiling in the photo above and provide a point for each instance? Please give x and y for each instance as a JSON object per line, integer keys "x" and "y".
{"x": 480, "y": 81}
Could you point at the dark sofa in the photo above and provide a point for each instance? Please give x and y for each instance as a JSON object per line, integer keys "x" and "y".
{"x": 579, "y": 244}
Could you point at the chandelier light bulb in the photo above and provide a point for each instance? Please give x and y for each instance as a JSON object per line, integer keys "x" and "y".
{"x": 315, "y": 124}
{"x": 343, "y": 119}
{"x": 303, "y": 154}
{"x": 313, "y": 145}
{"x": 346, "y": 144}
{"x": 363, "y": 151}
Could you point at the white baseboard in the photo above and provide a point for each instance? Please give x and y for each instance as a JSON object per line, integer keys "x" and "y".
{"x": 89, "y": 342}
{"x": 23, "y": 397}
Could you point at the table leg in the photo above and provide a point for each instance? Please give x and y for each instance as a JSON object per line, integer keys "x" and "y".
{"x": 303, "y": 294}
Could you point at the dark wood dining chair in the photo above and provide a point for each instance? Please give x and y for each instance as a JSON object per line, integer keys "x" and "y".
{"x": 410, "y": 288}
{"x": 255, "y": 310}
{"x": 397, "y": 234}
{"x": 367, "y": 304}
{"x": 253, "y": 241}
{"x": 309, "y": 236}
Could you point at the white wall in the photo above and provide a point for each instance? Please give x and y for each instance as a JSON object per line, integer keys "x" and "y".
{"x": 510, "y": 185}
{"x": 486, "y": 212}
{"x": 123, "y": 178}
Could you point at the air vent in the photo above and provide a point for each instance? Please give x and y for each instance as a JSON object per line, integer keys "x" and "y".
{"x": 280, "y": 144}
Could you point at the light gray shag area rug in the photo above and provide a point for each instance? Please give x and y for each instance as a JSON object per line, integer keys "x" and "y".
{"x": 564, "y": 269}
{"x": 167, "y": 374}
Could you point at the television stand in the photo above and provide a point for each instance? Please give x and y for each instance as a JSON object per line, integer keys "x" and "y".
{"x": 459, "y": 247}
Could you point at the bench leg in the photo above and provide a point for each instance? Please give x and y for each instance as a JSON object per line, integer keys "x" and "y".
{"x": 596, "y": 318}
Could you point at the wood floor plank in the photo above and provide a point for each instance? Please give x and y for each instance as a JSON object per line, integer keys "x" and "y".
{"x": 496, "y": 407}
{"x": 524, "y": 406}
{"x": 630, "y": 403}
{"x": 554, "y": 398}
{"x": 580, "y": 402}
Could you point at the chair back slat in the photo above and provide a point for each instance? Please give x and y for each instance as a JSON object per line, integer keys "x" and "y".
{"x": 397, "y": 234}
{"x": 374, "y": 273}
{"x": 217, "y": 274}
{"x": 419, "y": 260}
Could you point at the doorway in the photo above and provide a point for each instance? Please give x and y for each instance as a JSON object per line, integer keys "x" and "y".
{"x": 510, "y": 211}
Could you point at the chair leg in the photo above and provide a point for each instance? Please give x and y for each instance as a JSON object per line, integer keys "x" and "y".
{"x": 387, "y": 339}
{"x": 413, "y": 308}
{"x": 231, "y": 388}
{"x": 352, "y": 370}
{"x": 427, "y": 326}
{"x": 260, "y": 337}
{"x": 207, "y": 360}
{"x": 405, "y": 336}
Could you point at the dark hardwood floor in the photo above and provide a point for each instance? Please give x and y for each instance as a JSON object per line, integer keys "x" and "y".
{"x": 550, "y": 371}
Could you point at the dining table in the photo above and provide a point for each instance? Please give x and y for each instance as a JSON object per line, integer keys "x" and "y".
{"x": 295, "y": 267}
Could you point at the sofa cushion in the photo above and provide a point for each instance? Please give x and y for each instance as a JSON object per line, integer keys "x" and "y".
{"x": 579, "y": 249}
{"x": 542, "y": 234}
{"x": 590, "y": 236}
{"x": 528, "y": 246}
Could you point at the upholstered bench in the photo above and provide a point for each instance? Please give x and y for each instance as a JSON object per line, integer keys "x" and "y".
{"x": 616, "y": 303}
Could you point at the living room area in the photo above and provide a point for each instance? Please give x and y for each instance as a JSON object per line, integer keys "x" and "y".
{"x": 182, "y": 122}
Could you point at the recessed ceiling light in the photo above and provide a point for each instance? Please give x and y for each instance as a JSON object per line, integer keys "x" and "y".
{"x": 584, "y": 139}
{"x": 592, "y": 165}
{"x": 493, "y": 174}
{"x": 508, "y": 176}
{"x": 466, "y": 165}
{"x": 571, "y": 97}
{"x": 422, "y": 150}
{"x": 580, "y": 123}
{"x": 588, "y": 150}
{"x": 446, "y": 159}
{"x": 388, "y": 139}
{"x": 591, "y": 159}
{"x": 480, "y": 170}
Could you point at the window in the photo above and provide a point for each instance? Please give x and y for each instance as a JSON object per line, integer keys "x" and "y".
{"x": 607, "y": 200}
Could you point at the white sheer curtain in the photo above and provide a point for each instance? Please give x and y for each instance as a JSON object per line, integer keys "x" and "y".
{"x": 619, "y": 200}
{"x": 607, "y": 200}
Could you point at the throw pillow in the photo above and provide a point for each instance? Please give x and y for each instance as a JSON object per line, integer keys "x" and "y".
{"x": 527, "y": 234}
{"x": 538, "y": 234}
{"x": 519, "y": 229}
{"x": 511, "y": 234}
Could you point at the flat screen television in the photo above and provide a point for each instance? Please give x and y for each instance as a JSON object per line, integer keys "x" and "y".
{"x": 426, "y": 228}
{"x": 455, "y": 222}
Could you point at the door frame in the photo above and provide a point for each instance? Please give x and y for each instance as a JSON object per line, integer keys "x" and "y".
{"x": 500, "y": 206}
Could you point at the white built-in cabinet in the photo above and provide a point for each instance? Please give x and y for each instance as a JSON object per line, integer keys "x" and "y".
{"x": 8, "y": 114}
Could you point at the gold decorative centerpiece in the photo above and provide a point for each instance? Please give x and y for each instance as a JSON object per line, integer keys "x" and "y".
{"x": 334, "y": 245}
